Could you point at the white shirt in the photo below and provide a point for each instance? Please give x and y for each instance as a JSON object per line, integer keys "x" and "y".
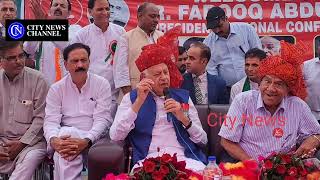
{"x": 163, "y": 133}
{"x": 47, "y": 59}
{"x": 3, "y": 30}
{"x": 99, "y": 43}
{"x": 203, "y": 86}
{"x": 237, "y": 88}
{"x": 121, "y": 65}
{"x": 87, "y": 111}
{"x": 311, "y": 72}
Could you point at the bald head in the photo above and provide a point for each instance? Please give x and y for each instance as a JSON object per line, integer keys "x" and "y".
{"x": 148, "y": 17}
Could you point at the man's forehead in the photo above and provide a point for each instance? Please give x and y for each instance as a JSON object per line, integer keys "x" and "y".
{"x": 252, "y": 60}
{"x": 14, "y": 51}
{"x": 158, "y": 67}
{"x": 7, "y": 3}
{"x": 274, "y": 78}
{"x": 152, "y": 9}
{"x": 60, "y": 1}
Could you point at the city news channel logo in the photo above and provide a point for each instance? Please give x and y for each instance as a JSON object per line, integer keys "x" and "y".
{"x": 37, "y": 30}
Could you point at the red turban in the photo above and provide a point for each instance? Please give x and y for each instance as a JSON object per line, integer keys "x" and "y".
{"x": 164, "y": 51}
{"x": 288, "y": 67}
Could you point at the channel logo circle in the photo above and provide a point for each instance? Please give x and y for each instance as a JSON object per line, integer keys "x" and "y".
{"x": 16, "y": 30}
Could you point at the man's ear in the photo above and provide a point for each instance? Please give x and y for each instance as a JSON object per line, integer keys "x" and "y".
{"x": 204, "y": 60}
{"x": 65, "y": 64}
{"x": 90, "y": 11}
{"x": 142, "y": 75}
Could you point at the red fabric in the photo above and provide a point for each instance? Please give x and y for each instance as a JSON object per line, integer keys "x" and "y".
{"x": 164, "y": 51}
{"x": 288, "y": 67}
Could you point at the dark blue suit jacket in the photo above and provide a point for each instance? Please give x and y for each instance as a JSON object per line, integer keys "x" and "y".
{"x": 216, "y": 89}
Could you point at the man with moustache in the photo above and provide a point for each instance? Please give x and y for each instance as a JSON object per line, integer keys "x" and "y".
{"x": 77, "y": 113}
{"x": 253, "y": 59}
{"x": 151, "y": 121}
{"x": 8, "y": 10}
{"x": 228, "y": 43}
{"x": 22, "y": 102}
{"x": 47, "y": 55}
{"x": 130, "y": 44}
{"x": 182, "y": 58}
{"x": 102, "y": 37}
{"x": 281, "y": 93}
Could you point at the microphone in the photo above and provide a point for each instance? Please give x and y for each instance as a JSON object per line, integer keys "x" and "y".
{"x": 167, "y": 96}
{"x": 166, "y": 93}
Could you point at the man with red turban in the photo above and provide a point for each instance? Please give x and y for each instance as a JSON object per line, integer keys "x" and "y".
{"x": 158, "y": 115}
{"x": 274, "y": 118}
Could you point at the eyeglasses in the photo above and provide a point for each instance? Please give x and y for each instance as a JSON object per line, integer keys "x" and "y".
{"x": 277, "y": 85}
{"x": 6, "y": 9}
{"x": 21, "y": 56}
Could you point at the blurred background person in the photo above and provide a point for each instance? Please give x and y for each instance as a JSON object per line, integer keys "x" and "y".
{"x": 182, "y": 58}
{"x": 253, "y": 59}
{"x": 311, "y": 73}
{"x": 119, "y": 12}
{"x": 228, "y": 41}
{"x": 270, "y": 45}
{"x": 8, "y": 10}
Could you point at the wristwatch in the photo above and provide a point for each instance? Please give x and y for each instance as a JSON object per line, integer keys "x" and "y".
{"x": 189, "y": 125}
{"x": 89, "y": 142}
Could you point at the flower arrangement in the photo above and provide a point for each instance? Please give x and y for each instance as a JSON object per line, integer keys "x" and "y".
{"x": 164, "y": 167}
{"x": 288, "y": 166}
{"x": 241, "y": 170}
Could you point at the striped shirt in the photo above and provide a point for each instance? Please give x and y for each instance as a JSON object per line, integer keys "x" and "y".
{"x": 258, "y": 133}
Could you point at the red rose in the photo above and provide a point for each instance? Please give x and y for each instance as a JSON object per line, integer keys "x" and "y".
{"x": 293, "y": 171}
{"x": 164, "y": 170}
{"x": 166, "y": 158}
{"x": 286, "y": 159}
{"x": 289, "y": 178}
{"x": 182, "y": 176}
{"x": 181, "y": 165}
{"x": 303, "y": 172}
{"x": 157, "y": 175}
{"x": 268, "y": 164}
{"x": 148, "y": 166}
{"x": 281, "y": 169}
{"x": 174, "y": 158}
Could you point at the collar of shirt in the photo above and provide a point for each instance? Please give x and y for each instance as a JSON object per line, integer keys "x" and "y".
{"x": 19, "y": 76}
{"x": 84, "y": 87}
{"x": 232, "y": 31}
{"x": 202, "y": 77}
{"x": 156, "y": 96}
{"x": 96, "y": 28}
{"x": 260, "y": 103}
{"x": 254, "y": 85}
{"x": 151, "y": 35}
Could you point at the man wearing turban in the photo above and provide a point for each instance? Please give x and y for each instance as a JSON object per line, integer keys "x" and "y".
{"x": 157, "y": 114}
{"x": 274, "y": 118}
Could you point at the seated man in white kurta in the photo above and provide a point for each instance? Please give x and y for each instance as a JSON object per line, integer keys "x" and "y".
{"x": 151, "y": 121}
{"x": 77, "y": 113}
